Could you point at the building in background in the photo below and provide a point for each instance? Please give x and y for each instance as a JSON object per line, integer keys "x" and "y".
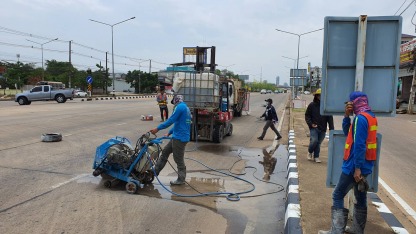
{"x": 407, "y": 48}
{"x": 277, "y": 80}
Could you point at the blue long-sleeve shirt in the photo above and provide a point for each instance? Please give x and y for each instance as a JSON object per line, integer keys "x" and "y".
{"x": 181, "y": 118}
{"x": 358, "y": 148}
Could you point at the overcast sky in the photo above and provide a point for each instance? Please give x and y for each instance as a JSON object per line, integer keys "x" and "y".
{"x": 243, "y": 31}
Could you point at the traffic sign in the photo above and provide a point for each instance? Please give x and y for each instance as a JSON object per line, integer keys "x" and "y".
{"x": 361, "y": 54}
{"x": 89, "y": 79}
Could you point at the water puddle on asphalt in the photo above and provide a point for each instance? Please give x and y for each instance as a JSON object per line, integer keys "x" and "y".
{"x": 261, "y": 211}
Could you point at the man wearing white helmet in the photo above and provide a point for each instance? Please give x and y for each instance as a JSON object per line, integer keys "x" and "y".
{"x": 181, "y": 130}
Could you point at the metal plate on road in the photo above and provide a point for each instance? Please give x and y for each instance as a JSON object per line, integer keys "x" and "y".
{"x": 381, "y": 63}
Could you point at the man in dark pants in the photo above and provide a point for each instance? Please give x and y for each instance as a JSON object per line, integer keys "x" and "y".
{"x": 181, "y": 118}
{"x": 271, "y": 119}
{"x": 317, "y": 126}
{"x": 162, "y": 101}
{"x": 360, "y": 154}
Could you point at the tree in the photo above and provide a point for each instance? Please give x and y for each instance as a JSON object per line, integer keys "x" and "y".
{"x": 147, "y": 83}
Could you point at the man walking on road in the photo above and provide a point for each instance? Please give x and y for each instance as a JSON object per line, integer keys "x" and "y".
{"x": 317, "y": 126}
{"x": 181, "y": 118}
{"x": 359, "y": 156}
{"x": 270, "y": 116}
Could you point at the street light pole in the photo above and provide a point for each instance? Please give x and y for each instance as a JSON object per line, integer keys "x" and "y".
{"x": 41, "y": 46}
{"x": 299, "y": 35}
{"x": 112, "y": 43}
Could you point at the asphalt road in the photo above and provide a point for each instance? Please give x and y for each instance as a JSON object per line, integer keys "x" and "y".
{"x": 48, "y": 187}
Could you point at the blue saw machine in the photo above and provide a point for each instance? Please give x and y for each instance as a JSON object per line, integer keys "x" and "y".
{"x": 117, "y": 159}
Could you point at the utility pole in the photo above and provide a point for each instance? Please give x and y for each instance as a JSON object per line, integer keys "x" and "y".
{"x": 150, "y": 66}
{"x": 106, "y": 74}
{"x": 70, "y": 72}
{"x": 412, "y": 94}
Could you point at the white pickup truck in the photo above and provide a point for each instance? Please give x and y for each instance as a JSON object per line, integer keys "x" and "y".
{"x": 44, "y": 93}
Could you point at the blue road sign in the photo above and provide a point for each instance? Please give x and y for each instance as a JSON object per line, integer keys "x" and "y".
{"x": 89, "y": 79}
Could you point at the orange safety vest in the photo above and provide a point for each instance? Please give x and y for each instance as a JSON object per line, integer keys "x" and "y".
{"x": 371, "y": 142}
{"x": 162, "y": 99}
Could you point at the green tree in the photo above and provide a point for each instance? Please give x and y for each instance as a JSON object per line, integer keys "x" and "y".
{"x": 147, "y": 83}
{"x": 58, "y": 71}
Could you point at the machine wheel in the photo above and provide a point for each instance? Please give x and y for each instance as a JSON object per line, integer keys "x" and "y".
{"x": 132, "y": 187}
{"x": 22, "y": 100}
{"x": 218, "y": 133}
{"x": 230, "y": 130}
{"x": 149, "y": 177}
{"x": 60, "y": 98}
{"x": 107, "y": 184}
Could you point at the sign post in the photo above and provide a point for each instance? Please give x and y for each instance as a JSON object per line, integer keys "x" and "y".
{"x": 89, "y": 81}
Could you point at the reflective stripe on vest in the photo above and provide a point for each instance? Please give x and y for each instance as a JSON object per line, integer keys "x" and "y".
{"x": 371, "y": 142}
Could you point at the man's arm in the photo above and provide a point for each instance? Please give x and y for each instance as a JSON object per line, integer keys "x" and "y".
{"x": 173, "y": 118}
{"x": 360, "y": 137}
{"x": 308, "y": 117}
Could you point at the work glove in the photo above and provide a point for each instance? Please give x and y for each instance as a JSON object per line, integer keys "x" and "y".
{"x": 363, "y": 185}
{"x": 274, "y": 121}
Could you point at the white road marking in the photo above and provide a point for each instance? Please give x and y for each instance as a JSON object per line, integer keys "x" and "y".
{"x": 68, "y": 181}
{"x": 121, "y": 124}
{"x": 405, "y": 206}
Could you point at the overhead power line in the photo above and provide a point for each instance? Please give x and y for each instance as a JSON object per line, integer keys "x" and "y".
{"x": 407, "y": 7}
{"x": 400, "y": 7}
{"x": 25, "y": 34}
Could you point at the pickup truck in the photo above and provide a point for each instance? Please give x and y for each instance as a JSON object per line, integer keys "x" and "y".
{"x": 44, "y": 93}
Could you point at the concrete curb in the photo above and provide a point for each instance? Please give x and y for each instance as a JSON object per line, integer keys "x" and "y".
{"x": 120, "y": 97}
{"x": 293, "y": 212}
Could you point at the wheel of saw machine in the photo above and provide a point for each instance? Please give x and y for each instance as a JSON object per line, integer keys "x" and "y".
{"x": 132, "y": 187}
{"x": 107, "y": 184}
{"x": 149, "y": 177}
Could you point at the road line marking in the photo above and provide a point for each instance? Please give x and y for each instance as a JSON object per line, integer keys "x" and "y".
{"x": 121, "y": 124}
{"x": 68, "y": 181}
{"x": 405, "y": 206}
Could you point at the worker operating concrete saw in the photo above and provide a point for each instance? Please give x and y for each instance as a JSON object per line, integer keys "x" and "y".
{"x": 181, "y": 120}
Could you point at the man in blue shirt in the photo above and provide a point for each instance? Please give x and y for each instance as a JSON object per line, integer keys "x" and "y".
{"x": 359, "y": 156}
{"x": 181, "y": 132}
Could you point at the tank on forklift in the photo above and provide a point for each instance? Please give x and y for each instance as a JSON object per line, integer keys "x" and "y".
{"x": 213, "y": 100}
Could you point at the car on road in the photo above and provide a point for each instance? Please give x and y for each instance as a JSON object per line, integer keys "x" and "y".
{"x": 263, "y": 91}
{"x": 307, "y": 92}
{"x": 44, "y": 93}
{"x": 269, "y": 91}
{"x": 80, "y": 93}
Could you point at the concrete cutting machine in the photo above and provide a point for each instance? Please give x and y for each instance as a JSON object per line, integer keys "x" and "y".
{"x": 117, "y": 160}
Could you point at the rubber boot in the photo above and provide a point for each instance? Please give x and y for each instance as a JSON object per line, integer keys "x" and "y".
{"x": 359, "y": 220}
{"x": 339, "y": 221}
{"x": 181, "y": 177}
